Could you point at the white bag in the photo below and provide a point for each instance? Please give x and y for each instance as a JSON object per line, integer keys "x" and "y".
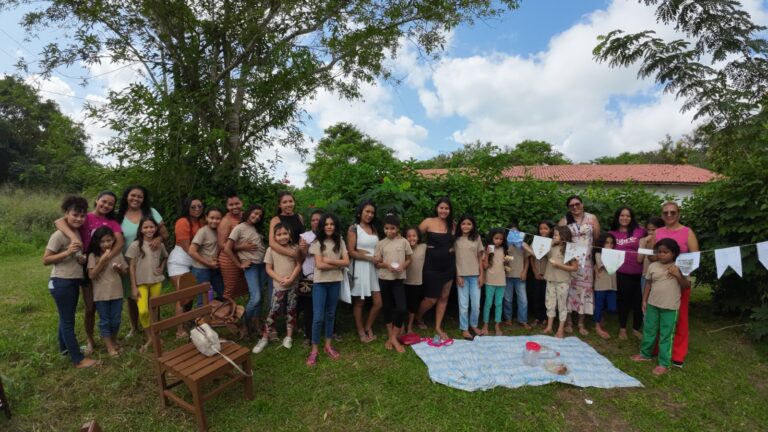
{"x": 345, "y": 294}
{"x": 206, "y": 340}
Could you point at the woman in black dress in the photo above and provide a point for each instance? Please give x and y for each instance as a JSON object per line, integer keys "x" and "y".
{"x": 439, "y": 262}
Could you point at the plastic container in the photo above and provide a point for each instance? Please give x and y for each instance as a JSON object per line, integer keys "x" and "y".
{"x": 535, "y": 352}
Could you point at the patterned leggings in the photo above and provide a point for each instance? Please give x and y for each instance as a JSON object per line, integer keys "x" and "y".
{"x": 279, "y": 298}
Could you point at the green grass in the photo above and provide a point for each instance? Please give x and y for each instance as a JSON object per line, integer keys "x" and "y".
{"x": 26, "y": 220}
{"x": 724, "y": 385}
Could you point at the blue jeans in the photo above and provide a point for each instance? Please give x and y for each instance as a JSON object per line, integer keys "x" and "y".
{"x": 601, "y": 298}
{"x": 325, "y": 296}
{"x": 66, "y": 293}
{"x": 469, "y": 295}
{"x": 516, "y": 286}
{"x": 109, "y": 316}
{"x": 255, "y": 277}
{"x": 212, "y": 276}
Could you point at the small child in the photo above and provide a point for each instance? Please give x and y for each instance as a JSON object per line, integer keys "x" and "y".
{"x": 67, "y": 274}
{"x": 284, "y": 271}
{"x": 495, "y": 283}
{"x": 392, "y": 257}
{"x": 558, "y": 276}
{"x": 146, "y": 268}
{"x": 536, "y": 286}
{"x": 605, "y": 284}
{"x": 516, "y": 272}
{"x": 413, "y": 288}
{"x": 105, "y": 274}
{"x": 469, "y": 274}
{"x": 661, "y": 301}
{"x": 204, "y": 249}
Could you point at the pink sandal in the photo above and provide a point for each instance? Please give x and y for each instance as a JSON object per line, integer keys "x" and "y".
{"x": 332, "y": 353}
{"x": 312, "y": 359}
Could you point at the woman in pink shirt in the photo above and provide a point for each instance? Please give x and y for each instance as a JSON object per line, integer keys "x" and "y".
{"x": 630, "y": 294}
{"x": 686, "y": 239}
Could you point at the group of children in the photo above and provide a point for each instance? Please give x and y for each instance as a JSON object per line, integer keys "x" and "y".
{"x": 502, "y": 266}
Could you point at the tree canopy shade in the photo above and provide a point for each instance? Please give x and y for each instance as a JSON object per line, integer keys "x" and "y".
{"x": 223, "y": 80}
{"x": 40, "y": 146}
{"x": 720, "y": 69}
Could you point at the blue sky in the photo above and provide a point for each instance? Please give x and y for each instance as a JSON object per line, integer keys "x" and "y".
{"x": 527, "y": 75}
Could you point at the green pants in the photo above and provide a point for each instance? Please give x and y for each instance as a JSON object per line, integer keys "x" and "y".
{"x": 659, "y": 322}
{"x": 494, "y": 296}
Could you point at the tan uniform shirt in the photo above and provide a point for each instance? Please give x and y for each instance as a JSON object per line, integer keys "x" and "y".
{"x": 246, "y": 233}
{"x": 108, "y": 284}
{"x": 603, "y": 280}
{"x": 413, "y": 274}
{"x": 207, "y": 245}
{"x": 334, "y": 275}
{"x": 392, "y": 250}
{"x": 282, "y": 265}
{"x": 518, "y": 263}
{"x": 68, "y": 268}
{"x": 147, "y": 263}
{"x": 495, "y": 274}
{"x": 554, "y": 274}
{"x": 467, "y": 252}
{"x": 665, "y": 290}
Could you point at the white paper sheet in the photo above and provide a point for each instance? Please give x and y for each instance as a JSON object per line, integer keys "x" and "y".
{"x": 644, "y": 251}
{"x": 762, "y": 253}
{"x": 541, "y": 246}
{"x": 688, "y": 262}
{"x": 728, "y": 257}
{"x": 612, "y": 259}
{"x": 575, "y": 250}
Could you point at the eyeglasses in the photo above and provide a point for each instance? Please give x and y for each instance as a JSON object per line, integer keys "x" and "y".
{"x": 574, "y": 205}
{"x": 196, "y": 207}
{"x": 669, "y": 213}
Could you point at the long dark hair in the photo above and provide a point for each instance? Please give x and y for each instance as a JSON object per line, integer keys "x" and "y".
{"x": 146, "y": 209}
{"x": 632, "y": 223}
{"x": 140, "y": 236}
{"x": 449, "y": 220}
{"x": 113, "y": 214}
{"x": 473, "y": 234}
{"x": 568, "y": 216}
{"x": 185, "y": 212}
{"x": 101, "y": 232}
{"x": 359, "y": 213}
{"x": 280, "y": 196}
{"x": 489, "y": 241}
{"x": 322, "y": 236}
{"x": 247, "y": 214}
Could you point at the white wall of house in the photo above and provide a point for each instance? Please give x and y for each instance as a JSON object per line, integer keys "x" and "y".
{"x": 679, "y": 191}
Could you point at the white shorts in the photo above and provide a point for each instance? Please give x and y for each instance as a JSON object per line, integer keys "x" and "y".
{"x": 179, "y": 262}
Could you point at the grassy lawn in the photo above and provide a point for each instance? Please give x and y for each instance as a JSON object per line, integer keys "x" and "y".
{"x": 724, "y": 385}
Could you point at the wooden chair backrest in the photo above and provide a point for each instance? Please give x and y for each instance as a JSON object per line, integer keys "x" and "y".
{"x": 182, "y": 295}
{"x": 187, "y": 280}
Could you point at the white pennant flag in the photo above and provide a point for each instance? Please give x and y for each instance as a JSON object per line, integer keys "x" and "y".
{"x": 762, "y": 253}
{"x": 688, "y": 262}
{"x": 728, "y": 257}
{"x": 542, "y": 245}
{"x": 612, "y": 259}
{"x": 575, "y": 250}
{"x": 645, "y": 251}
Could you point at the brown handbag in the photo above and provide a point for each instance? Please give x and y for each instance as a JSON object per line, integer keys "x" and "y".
{"x": 226, "y": 313}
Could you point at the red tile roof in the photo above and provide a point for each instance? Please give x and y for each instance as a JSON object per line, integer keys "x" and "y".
{"x": 587, "y": 173}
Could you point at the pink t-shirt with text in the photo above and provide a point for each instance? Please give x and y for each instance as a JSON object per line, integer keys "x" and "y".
{"x": 94, "y": 222}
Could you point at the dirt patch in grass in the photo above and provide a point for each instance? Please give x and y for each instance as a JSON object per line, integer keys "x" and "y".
{"x": 583, "y": 416}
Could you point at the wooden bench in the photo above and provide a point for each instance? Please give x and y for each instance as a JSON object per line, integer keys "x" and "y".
{"x": 187, "y": 365}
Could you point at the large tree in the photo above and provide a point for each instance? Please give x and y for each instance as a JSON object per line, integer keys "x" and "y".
{"x": 224, "y": 80}
{"x": 40, "y": 146}
{"x": 489, "y": 156}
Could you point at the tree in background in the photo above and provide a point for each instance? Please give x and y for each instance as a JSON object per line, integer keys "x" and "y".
{"x": 222, "y": 82}
{"x": 690, "y": 149}
{"x": 721, "y": 72}
{"x": 489, "y": 156}
{"x": 39, "y": 146}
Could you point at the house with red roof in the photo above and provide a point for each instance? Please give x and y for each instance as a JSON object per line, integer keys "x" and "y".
{"x": 661, "y": 179}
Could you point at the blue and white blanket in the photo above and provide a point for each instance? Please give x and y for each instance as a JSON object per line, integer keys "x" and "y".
{"x": 491, "y": 361}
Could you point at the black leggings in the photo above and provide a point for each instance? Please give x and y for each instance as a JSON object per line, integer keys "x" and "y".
{"x": 414, "y": 294}
{"x": 304, "y": 305}
{"x": 536, "y": 291}
{"x": 630, "y": 298}
{"x": 393, "y": 301}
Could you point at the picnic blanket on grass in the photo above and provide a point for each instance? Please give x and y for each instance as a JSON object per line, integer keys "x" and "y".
{"x": 491, "y": 361}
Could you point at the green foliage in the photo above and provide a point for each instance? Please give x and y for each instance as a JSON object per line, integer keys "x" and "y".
{"x": 490, "y": 157}
{"x": 690, "y": 149}
{"x": 39, "y": 146}
{"x": 26, "y": 220}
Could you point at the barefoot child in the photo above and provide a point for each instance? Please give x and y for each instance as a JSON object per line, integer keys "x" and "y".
{"x": 605, "y": 284}
{"x": 105, "y": 272}
{"x": 392, "y": 257}
{"x": 516, "y": 271}
{"x": 469, "y": 274}
{"x": 495, "y": 283}
{"x": 414, "y": 292}
{"x": 67, "y": 274}
{"x": 146, "y": 270}
{"x": 284, "y": 271}
{"x": 661, "y": 300}
{"x": 558, "y": 278}
{"x": 245, "y": 245}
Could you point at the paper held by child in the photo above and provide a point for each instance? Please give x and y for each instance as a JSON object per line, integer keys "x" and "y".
{"x": 489, "y": 362}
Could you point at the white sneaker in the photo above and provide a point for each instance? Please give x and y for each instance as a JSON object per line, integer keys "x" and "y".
{"x": 260, "y": 345}
{"x": 288, "y": 342}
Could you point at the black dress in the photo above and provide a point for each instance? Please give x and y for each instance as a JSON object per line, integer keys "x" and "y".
{"x": 439, "y": 263}
{"x": 293, "y": 222}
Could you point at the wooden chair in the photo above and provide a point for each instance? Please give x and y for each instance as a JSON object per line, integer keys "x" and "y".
{"x": 187, "y": 365}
